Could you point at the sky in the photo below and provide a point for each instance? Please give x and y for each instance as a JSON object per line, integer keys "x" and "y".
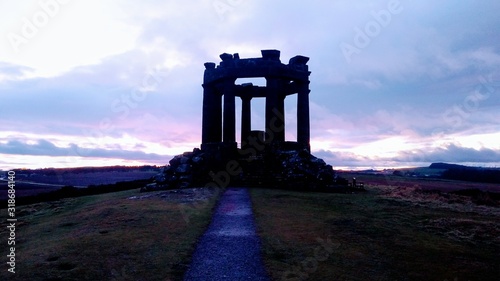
{"x": 393, "y": 83}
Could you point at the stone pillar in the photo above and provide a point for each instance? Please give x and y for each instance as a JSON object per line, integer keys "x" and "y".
{"x": 280, "y": 116}
{"x": 212, "y": 109}
{"x": 206, "y": 118}
{"x": 303, "y": 125}
{"x": 275, "y": 105}
{"x": 212, "y": 115}
{"x": 217, "y": 117}
{"x": 229, "y": 122}
{"x": 246, "y": 119}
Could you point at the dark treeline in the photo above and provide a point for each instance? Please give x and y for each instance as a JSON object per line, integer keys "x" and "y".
{"x": 71, "y": 191}
{"x": 466, "y": 173}
{"x": 473, "y": 174}
{"x": 82, "y": 170}
{"x": 448, "y": 166}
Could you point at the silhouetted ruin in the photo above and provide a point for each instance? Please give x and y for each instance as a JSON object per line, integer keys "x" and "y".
{"x": 219, "y": 126}
{"x": 264, "y": 158}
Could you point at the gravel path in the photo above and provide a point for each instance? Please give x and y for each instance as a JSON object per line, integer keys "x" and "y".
{"x": 230, "y": 248}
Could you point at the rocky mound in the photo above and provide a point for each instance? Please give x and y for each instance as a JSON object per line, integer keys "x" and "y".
{"x": 297, "y": 170}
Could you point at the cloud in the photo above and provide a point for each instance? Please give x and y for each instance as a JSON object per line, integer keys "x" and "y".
{"x": 83, "y": 77}
{"x": 417, "y": 157}
{"x": 342, "y": 158}
{"x": 46, "y": 148}
{"x": 12, "y": 72}
{"x": 451, "y": 153}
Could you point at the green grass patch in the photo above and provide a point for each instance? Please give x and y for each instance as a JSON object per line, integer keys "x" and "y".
{"x": 106, "y": 237}
{"x": 318, "y": 236}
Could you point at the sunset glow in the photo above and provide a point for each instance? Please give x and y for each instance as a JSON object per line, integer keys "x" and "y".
{"x": 86, "y": 83}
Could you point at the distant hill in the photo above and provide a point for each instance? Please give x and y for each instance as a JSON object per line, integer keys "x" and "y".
{"x": 33, "y": 182}
{"x": 466, "y": 173}
{"x": 447, "y": 166}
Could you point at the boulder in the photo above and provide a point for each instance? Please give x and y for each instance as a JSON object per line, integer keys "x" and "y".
{"x": 183, "y": 169}
{"x": 176, "y": 161}
{"x": 185, "y": 160}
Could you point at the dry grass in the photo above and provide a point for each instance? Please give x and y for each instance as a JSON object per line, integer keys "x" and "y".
{"x": 107, "y": 237}
{"x": 373, "y": 237}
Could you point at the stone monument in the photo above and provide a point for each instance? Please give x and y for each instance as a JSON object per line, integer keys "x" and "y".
{"x": 282, "y": 80}
{"x": 264, "y": 158}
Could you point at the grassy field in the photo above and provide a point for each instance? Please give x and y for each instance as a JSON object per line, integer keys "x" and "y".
{"x": 375, "y": 236}
{"x": 421, "y": 183}
{"x": 400, "y": 229}
{"x": 108, "y": 237}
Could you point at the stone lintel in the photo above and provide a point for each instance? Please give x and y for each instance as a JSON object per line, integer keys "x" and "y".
{"x": 255, "y": 70}
{"x": 250, "y": 91}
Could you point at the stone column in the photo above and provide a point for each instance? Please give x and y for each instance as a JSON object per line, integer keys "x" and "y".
{"x": 216, "y": 136}
{"x": 229, "y": 122}
{"x": 303, "y": 125}
{"x": 212, "y": 115}
{"x": 280, "y": 116}
{"x": 206, "y": 115}
{"x": 275, "y": 105}
{"x": 212, "y": 109}
{"x": 246, "y": 118}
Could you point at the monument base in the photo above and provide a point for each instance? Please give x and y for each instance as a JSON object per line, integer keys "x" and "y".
{"x": 285, "y": 165}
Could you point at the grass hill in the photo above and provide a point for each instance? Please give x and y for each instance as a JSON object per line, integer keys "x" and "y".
{"x": 113, "y": 236}
{"x": 401, "y": 228}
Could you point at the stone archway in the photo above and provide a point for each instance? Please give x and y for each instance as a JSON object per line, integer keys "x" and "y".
{"x": 219, "y": 124}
